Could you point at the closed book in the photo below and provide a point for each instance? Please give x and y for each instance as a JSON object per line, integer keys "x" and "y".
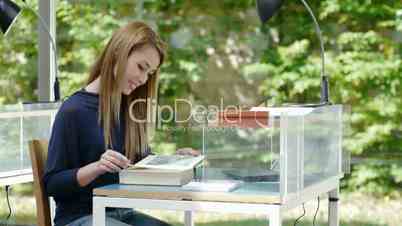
{"x": 156, "y": 177}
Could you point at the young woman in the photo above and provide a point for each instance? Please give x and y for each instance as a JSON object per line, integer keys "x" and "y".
{"x": 93, "y": 136}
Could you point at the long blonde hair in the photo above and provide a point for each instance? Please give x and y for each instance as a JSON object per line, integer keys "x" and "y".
{"x": 123, "y": 43}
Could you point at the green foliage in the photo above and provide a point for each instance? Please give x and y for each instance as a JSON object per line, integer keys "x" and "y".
{"x": 378, "y": 179}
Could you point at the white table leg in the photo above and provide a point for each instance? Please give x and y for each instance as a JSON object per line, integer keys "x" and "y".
{"x": 275, "y": 217}
{"x": 333, "y": 215}
{"x": 188, "y": 218}
{"x": 98, "y": 212}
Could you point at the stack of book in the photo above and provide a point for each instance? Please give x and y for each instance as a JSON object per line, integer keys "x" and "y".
{"x": 174, "y": 170}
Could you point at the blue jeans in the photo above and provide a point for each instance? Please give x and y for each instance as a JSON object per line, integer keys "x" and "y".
{"x": 121, "y": 217}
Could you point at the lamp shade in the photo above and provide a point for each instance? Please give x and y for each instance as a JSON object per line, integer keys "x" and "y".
{"x": 8, "y": 13}
{"x": 267, "y": 8}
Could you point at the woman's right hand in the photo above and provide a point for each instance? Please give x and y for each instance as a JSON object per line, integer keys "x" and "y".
{"x": 112, "y": 161}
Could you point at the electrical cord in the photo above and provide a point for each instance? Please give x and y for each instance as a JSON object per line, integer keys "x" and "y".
{"x": 316, "y": 211}
{"x": 8, "y": 203}
{"x": 304, "y": 213}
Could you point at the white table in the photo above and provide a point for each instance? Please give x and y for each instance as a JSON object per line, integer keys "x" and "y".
{"x": 173, "y": 198}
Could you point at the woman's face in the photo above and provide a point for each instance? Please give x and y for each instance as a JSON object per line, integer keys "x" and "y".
{"x": 141, "y": 64}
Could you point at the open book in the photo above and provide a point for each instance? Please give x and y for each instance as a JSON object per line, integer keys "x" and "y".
{"x": 169, "y": 162}
{"x": 173, "y": 170}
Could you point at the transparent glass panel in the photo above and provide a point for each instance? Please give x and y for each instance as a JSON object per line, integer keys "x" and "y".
{"x": 18, "y": 125}
{"x": 299, "y": 147}
{"x": 311, "y": 147}
{"x": 242, "y": 151}
{"x": 240, "y": 154}
{"x": 347, "y": 133}
{"x": 10, "y": 144}
{"x": 322, "y": 144}
{"x": 291, "y": 133}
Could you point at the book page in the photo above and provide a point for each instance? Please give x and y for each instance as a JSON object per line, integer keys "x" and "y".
{"x": 173, "y": 162}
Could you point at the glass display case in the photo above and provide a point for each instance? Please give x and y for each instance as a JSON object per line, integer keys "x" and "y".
{"x": 280, "y": 158}
{"x": 285, "y": 151}
{"x": 19, "y": 124}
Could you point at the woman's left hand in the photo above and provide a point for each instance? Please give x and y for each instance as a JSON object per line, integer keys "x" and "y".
{"x": 187, "y": 151}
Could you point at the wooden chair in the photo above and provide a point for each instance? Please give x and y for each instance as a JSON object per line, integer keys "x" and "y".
{"x": 38, "y": 153}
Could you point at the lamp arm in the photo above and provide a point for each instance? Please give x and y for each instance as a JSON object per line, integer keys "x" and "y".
{"x": 324, "y": 78}
{"x": 319, "y": 35}
{"x": 43, "y": 24}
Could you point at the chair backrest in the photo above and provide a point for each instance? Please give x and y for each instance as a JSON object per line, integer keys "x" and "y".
{"x": 38, "y": 153}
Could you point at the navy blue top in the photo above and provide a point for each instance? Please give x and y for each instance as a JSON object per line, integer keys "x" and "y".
{"x": 77, "y": 140}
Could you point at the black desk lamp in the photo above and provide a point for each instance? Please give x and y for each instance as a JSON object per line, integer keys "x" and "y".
{"x": 9, "y": 11}
{"x": 266, "y": 9}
